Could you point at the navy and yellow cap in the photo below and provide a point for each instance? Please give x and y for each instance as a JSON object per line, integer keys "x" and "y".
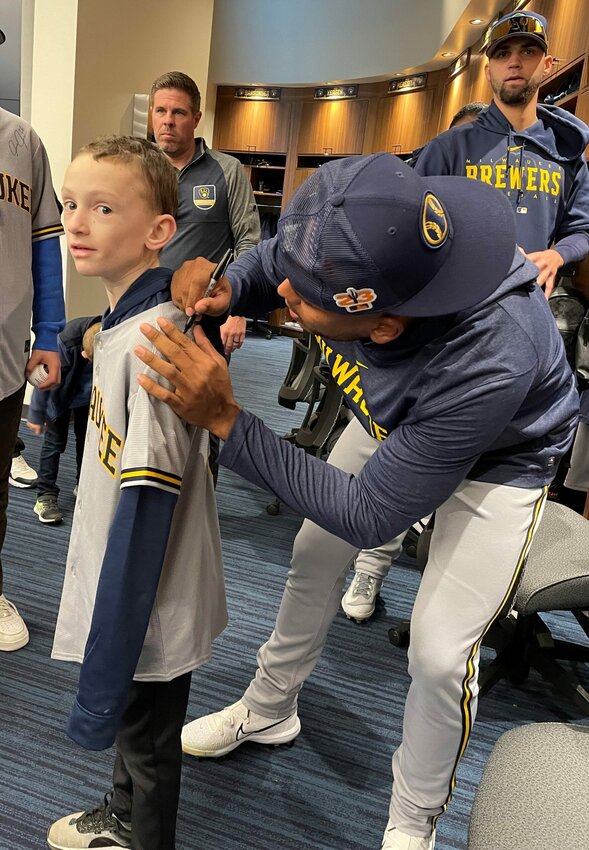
{"x": 521, "y": 25}
{"x": 368, "y": 233}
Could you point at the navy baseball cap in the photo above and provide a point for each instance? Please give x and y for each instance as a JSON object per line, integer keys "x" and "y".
{"x": 368, "y": 233}
{"x": 2, "y": 37}
{"x": 521, "y": 25}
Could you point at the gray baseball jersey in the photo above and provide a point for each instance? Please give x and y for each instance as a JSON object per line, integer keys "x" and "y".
{"x": 134, "y": 440}
{"x": 28, "y": 213}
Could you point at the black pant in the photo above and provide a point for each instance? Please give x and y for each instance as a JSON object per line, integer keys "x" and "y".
{"x": 10, "y": 413}
{"x": 19, "y": 447}
{"x": 54, "y": 443}
{"x": 148, "y": 764}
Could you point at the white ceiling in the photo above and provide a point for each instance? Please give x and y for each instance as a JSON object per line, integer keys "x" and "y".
{"x": 306, "y": 42}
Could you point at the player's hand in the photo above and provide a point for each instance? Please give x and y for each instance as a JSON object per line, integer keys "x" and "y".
{"x": 201, "y": 388}
{"x": 233, "y": 333}
{"x": 51, "y": 361}
{"x": 35, "y": 428}
{"x": 189, "y": 284}
{"x": 548, "y": 263}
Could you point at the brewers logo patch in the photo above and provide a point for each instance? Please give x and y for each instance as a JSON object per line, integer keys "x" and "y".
{"x": 355, "y": 300}
{"x": 204, "y": 197}
{"x": 434, "y": 223}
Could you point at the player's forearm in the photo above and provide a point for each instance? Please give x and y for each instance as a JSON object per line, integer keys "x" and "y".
{"x": 48, "y": 303}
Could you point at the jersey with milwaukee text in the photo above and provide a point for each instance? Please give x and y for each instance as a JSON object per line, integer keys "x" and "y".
{"x": 28, "y": 213}
{"x": 134, "y": 440}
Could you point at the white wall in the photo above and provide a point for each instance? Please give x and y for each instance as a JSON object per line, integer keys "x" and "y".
{"x": 89, "y": 58}
{"x": 310, "y": 42}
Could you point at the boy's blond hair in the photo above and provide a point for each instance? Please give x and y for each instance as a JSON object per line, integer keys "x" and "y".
{"x": 158, "y": 173}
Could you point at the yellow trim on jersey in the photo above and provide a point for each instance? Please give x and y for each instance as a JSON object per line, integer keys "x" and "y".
{"x": 55, "y": 229}
{"x": 466, "y": 700}
{"x": 153, "y": 475}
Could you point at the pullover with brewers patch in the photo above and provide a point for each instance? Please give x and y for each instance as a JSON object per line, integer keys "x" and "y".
{"x": 541, "y": 170}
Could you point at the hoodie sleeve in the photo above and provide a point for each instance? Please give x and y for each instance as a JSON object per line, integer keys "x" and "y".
{"x": 572, "y": 237}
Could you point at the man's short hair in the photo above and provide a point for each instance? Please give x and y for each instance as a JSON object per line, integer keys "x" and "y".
{"x": 474, "y": 108}
{"x": 157, "y": 171}
{"x": 178, "y": 80}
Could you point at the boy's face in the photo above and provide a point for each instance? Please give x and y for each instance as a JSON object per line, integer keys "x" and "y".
{"x": 108, "y": 220}
{"x": 516, "y": 69}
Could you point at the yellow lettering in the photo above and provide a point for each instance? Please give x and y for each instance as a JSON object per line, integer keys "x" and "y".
{"x": 111, "y": 450}
{"x": 531, "y": 185}
{"x": 515, "y": 178}
{"x": 342, "y": 370}
{"x": 500, "y": 176}
{"x": 486, "y": 174}
{"x": 356, "y": 388}
{"x": 556, "y": 180}
{"x": 379, "y": 432}
{"x": 544, "y": 180}
{"x": 471, "y": 172}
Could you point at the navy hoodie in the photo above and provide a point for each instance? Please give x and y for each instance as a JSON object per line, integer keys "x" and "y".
{"x": 542, "y": 170}
{"x": 484, "y": 394}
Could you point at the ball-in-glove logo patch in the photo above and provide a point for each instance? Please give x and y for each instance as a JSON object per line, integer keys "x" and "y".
{"x": 434, "y": 222}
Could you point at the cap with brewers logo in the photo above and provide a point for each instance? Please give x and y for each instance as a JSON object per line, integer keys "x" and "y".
{"x": 521, "y": 25}
{"x": 368, "y": 233}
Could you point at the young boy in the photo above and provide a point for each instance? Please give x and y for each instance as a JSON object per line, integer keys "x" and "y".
{"x": 50, "y": 412}
{"x": 143, "y": 595}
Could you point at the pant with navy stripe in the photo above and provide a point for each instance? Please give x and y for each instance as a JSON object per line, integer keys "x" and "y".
{"x": 481, "y": 535}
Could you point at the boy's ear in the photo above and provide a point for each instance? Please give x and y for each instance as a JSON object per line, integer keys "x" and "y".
{"x": 388, "y": 328}
{"x": 162, "y": 230}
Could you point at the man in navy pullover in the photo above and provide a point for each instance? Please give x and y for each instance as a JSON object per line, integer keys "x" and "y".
{"x": 466, "y": 392}
{"x": 534, "y": 154}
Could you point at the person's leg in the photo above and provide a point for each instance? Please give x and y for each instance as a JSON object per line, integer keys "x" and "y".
{"x": 311, "y": 598}
{"x": 320, "y": 561}
{"x": 10, "y": 414}
{"x": 80, "y": 428}
{"x": 146, "y": 779}
{"x": 19, "y": 447}
{"x": 13, "y": 631}
{"x": 54, "y": 444}
{"x": 478, "y": 547}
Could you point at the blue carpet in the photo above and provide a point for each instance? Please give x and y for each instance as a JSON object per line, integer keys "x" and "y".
{"x": 328, "y": 792}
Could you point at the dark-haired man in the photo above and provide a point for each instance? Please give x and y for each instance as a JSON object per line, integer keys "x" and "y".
{"x": 532, "y": 153}
{"x": 465, "y": 389}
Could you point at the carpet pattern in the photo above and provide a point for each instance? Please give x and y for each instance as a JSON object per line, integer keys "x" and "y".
{"x": 329, "y": 791}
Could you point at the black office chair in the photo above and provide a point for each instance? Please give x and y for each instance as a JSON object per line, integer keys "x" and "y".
{"x": 326, "y": 416}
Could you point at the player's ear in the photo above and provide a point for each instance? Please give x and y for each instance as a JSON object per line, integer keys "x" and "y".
{"x": 388, "y": 328}
{"x": 162, "y": 229}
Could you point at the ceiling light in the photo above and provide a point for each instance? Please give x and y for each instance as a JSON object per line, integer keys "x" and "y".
{"x": 448, "y": 53}
{"x": 476, "y": 22}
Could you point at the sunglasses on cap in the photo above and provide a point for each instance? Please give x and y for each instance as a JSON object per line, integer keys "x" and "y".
{"x": 518, "y": 25}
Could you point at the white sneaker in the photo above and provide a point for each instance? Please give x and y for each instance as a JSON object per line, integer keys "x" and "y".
{"x": 216, "y": 734}
{"x": 13, "y": 631}
{"x": 21, "y": 474}
{"x": 394, "y": 839}
{"x": 359, "y": 601}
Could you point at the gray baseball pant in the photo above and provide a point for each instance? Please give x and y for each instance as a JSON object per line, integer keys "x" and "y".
{"x": 478, "y": 547}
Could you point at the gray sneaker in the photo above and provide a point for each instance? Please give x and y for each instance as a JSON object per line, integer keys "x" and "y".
{"x": 47, "y": 509}
{"x": 359, "y": 601}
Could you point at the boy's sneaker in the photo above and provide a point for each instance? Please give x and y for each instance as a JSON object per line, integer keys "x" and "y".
{"x": 217, "y": 734}
{"x": 21, "y": 474}
{"x": 98, "y": 828}
{"x": 47, "y": 509}
{"x": 359, "y": 601}
{"x": 394, "y": 839}
{"x": 13, "y": 631}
